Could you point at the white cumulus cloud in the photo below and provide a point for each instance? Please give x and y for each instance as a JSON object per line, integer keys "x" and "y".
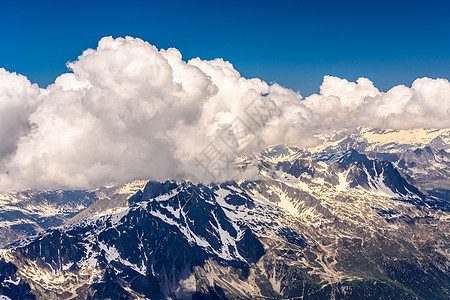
{"x": 128, "y": 110}
{"x": 18, "y": 100}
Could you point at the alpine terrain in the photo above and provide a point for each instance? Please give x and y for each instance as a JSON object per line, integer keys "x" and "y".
{"x": 364, "y": 215}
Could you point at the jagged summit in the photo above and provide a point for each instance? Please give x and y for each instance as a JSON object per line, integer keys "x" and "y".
{"x": 342, "y": 157}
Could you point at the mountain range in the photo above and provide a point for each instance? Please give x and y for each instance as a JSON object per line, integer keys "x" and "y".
{"x": 362, "y": 215}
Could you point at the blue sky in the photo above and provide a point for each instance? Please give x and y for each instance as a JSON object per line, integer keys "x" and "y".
{"x": 294, "y": 43}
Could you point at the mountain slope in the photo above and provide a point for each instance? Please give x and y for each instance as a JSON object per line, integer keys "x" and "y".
{"x": 422, "y": 154}
{"x": 26, "y": 213}
{"x": 154, "y": 242}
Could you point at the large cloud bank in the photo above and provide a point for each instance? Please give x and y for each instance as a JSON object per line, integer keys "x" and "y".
{"x": 129, "y": 111}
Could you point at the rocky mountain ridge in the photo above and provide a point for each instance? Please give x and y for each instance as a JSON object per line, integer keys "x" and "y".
{"x": 314, "y": 225}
